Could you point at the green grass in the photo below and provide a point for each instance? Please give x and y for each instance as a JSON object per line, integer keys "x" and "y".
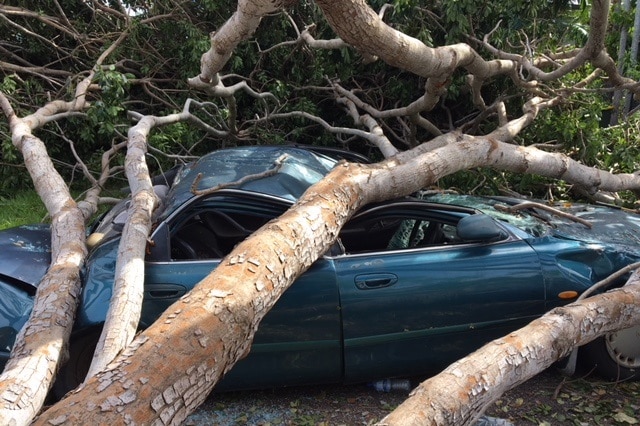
{"x": 22, "y": 209}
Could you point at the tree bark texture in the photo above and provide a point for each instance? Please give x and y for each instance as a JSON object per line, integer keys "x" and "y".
{"x": 126, "y": 303}
{"x": 181, "y": 357}
{"x": 239, "y": 27}
{"x": 125, "y": 309}
{"x": 171, "y": 367}
{"x": 360, "y": 26}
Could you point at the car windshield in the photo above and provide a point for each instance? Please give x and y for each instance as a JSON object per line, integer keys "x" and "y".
{"x": 522, "y": 220}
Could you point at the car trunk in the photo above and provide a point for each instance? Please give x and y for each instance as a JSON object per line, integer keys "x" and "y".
{"x": 26, "y": 255}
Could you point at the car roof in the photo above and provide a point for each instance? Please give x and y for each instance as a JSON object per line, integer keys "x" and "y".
{"x": 253, "y": 169}
{"x": 302, "y": 167}
{"x": 250, "y": 168}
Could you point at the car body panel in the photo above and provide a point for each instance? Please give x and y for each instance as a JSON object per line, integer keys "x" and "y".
{"x": 299, "y": 339}
{"x": 26, "y": 253}
{"x": 609, "y": 225}
{"x": 413, "y": 311}
{"x": 300, "y": 169}
{"x": 15, "y": 305}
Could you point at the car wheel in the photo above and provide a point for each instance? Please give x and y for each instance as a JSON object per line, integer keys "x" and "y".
{"x": 615, "y": 356}
{"x": 74, "y": 371}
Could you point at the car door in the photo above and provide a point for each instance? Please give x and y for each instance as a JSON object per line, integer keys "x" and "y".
{"x": 415, "y": 297}
{"x": 299, "y": 340}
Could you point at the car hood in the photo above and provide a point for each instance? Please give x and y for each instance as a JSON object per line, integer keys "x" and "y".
{"x": 609, "y": 225}
{"x": 25, "y": 253}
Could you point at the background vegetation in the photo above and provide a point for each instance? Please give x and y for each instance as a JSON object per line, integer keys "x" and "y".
{"x": 147, "y": 74}
{"x": 22, "y": 209}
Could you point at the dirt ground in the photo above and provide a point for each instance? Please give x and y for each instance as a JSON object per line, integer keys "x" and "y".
{"x": 548, "y": 399}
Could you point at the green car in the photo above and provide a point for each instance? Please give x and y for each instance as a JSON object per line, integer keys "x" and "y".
{"x": 411, "y": 284}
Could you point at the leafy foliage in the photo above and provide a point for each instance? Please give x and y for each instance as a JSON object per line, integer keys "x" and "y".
{"x": 164, "y": 41}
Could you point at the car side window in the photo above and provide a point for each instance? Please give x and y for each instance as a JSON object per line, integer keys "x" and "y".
{"x": 397, "y": 233}
{"x": 192, "y": 239}
{"x": 212, "y": 234}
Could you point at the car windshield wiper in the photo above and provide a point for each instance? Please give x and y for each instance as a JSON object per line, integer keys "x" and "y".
{"x": 530, "y": 205}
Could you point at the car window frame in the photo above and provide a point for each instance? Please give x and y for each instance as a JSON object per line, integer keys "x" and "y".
{"x": 423, "y": 210}
{"x": 160, "y": 248}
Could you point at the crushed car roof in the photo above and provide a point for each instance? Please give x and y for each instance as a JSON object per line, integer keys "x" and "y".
{"x": 298, "y": 170}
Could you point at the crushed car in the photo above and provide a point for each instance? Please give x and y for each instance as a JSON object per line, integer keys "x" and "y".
{"x": 410, "y": 285}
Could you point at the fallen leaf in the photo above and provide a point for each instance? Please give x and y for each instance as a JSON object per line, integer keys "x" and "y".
{"x": 623, "y": 418}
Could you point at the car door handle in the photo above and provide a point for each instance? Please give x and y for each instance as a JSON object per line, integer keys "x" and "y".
{"x": 371, "y": 281}
{"x": 165, "y": 291}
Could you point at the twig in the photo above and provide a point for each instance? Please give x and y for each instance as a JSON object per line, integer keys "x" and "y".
{"x": 277, "y": 165}
{"x": 609, "y": 280}
{"x": 531, "y": 204}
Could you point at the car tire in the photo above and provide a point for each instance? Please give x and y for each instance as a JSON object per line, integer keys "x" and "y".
{"x": 73, "y": 372}
{"x": 615, "y": 356}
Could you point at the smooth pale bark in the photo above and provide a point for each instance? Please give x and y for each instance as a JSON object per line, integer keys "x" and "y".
{"x": 40, "y": 344}
{"x": 239, "y": 27}
{"x": 171, "y": 367}
{"x": 128, "y": 290}
{"x": 361, "y": 27}
{"x": 480, "y": 378}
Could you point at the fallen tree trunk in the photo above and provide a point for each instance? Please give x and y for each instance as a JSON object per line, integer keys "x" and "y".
{"x": 42, "y": 342}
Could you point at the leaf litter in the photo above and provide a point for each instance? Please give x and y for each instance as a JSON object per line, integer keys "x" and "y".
{"x": 548, "y": 399}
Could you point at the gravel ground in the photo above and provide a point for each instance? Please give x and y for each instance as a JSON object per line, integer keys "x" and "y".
{"x": 548, "y": 399}
{"x": 314, "y": 405}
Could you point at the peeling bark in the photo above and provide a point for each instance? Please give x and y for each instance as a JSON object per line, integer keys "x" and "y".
{"x": 126, "y": 305}
{"x": 239, "y": 27}
{"x": 41, "y": 345}
{"x": 216, "y": 321}
{"x": 170, "y": 368}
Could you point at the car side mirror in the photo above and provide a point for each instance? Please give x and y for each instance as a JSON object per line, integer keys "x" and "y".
{"x": 481, "y": 228}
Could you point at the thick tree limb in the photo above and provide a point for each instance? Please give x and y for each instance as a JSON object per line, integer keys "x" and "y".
{"x": 238, "y": 28}
{"x": 267, "y": 263}
{"x": 357, "y": 24}
{"x": 37, "y": 352}
{"x": 42, "y": 340}
{"x": 126, "y": 302}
